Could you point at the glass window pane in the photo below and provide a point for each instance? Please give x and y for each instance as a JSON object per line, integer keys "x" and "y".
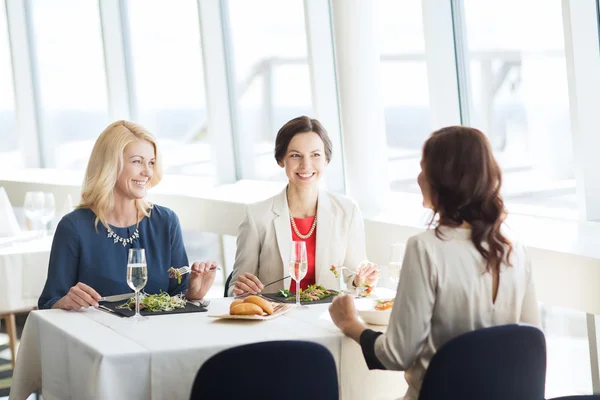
{"x": 10, "y": 155}
{"x": 272, "y": 76}
{"x": 168, "y": 81}
{"x": 71, "y": 79}
{"x": 404, "y": 89}
{"x": 518, "y": 96}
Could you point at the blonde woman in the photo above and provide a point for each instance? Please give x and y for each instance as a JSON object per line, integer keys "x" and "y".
{"x": 89, "y": 252}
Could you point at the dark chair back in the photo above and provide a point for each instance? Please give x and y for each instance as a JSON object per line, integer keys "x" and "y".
{"x": 579, "y": 397}
{"x": 498, "y": 363}
{"x": 227, "y": 283}
{"x": 290, "y": 370}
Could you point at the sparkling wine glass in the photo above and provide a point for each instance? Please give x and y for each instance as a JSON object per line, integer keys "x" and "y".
{"x": 298, "y": 266}
{"x": 395, "y": 263}
{"x": 137, "y": 276}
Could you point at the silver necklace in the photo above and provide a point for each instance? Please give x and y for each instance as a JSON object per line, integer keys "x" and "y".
{"x": 124, "y": 241}
{"x": 297, "y": 232}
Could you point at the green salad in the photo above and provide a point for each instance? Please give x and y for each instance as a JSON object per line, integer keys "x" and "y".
{"x": 311, "y": 293}
{"x": 156, "y": 302}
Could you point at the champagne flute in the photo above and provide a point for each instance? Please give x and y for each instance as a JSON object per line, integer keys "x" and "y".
{"x": 298, "y": 266}
{"x": 395, "y": 263}
{"x": 137, "y": 276}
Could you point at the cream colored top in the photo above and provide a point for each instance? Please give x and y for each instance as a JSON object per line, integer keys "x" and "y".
{"x": 265, "y": 237}
{"x": 445, "y": 291}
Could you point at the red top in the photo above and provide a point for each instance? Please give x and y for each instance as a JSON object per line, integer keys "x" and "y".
{"x": 304, "y": 225}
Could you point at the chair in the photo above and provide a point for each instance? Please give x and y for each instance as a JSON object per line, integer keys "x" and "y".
{"x": 579, "y": 397}
{"x": 227, "y": 283}
{"x": 498, "y": 363}
{"x": 11, "y": 330}
{"x": 290, "y": 370}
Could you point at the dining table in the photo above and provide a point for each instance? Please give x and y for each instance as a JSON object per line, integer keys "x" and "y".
{"x": 23, "y": 270}
{"x": 95, "y": 354}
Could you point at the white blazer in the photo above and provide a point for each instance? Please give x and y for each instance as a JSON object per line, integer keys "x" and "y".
{"x": 265, "y": 236}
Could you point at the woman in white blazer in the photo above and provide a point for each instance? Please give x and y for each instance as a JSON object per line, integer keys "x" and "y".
{"x": 463, "y": 275}
{"x": 330, "y": 224}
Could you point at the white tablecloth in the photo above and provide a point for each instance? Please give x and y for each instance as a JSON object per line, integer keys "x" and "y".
{"x": 91, "y": 354}
{"x": 23, "y": 271}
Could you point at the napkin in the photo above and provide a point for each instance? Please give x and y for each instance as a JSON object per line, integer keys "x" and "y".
{"x": 8, "y": 221}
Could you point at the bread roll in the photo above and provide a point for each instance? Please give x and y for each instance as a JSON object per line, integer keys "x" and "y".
{"x": 262, "y": 303}
{"x": 246, "y": 309}
{"x": 235, "y": 303}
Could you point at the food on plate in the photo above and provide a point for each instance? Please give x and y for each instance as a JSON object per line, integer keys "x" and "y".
{"x": 251, "y": 305}
{"x": 156, "y": 302}
{"x": 383, "y": 305}
{"x": 311, "y": 293}
{"x": 264, "y": 304}
{"x": 246, "y": 309}
{"x": 335, "y": 271}
{"x": 174, "y": 273}
{"x": 365, "y": 289}
{"x": 235, "y": 303}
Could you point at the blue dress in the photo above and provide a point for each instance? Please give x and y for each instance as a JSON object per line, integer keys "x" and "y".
{"x": 82, "y": 254}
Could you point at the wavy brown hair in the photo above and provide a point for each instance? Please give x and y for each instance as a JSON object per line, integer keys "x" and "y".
{"x": 464, "y": 181}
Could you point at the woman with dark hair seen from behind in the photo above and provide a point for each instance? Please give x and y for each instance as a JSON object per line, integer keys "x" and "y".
{"x": 461, "y": 276}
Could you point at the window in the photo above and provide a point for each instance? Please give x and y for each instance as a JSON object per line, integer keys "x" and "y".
{"x": 71, "y": 79}
{"x": 271, "y": 75}
{"x": 517, "y": 95}
{"x": 10, "y": 155}
{"x": 168, "y": 81}
{"x": 404, "y": 89}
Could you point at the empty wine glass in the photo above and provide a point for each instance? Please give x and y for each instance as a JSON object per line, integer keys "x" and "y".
{"x": 48, "y": 210}
{"x": 137, "y": 276}
{"x": 298, "y": 266}
{"x": 33, "y": 206}
{"x": 395, "y": 263}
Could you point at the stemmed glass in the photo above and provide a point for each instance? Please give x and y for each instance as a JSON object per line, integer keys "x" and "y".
{"x": 33, "y": 206}
{"x": 48, "y": 210}
{"x": 298, "y": 266}
{"x": 395, "y": 263}
{"x": 137, "y": 276}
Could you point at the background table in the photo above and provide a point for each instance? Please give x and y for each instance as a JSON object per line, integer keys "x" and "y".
{"x": 95, "y": 355}
{"x": 23, "y": 271}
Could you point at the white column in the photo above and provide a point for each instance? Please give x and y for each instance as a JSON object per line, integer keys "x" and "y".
{"x": 217, "y": 94}
{"x": 363, "y": 124}
{"x": 442, "y": 66}
{"x": 580, "y": 21}
{"x": 321, "y": 61}
{"x": 24, "y": 84}
{"x": 117, "y": 69}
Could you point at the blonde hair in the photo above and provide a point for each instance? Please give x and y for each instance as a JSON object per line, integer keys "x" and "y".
{"x": 106, "y": 164}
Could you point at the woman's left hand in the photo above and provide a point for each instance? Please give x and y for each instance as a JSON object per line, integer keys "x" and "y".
{"x": 201, "y": 279}
{"x": 343, "y": 312}
{"x": 368, "y": 274}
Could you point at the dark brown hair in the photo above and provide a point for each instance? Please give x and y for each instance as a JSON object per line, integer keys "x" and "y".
{"x": 465, "y": 180}
{"x": 298, "y": 125}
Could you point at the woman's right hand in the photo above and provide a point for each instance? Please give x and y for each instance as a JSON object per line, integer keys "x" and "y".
{"x": 80, "y": 295}
{"x": 247, "y": 282}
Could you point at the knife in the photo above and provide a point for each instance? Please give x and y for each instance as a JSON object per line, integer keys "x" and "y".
{"x": 118, "y": 297}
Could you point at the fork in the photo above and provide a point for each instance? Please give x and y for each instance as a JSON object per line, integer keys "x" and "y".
{"x": 243, "y": 295}
{"x": 186, "y": 269}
